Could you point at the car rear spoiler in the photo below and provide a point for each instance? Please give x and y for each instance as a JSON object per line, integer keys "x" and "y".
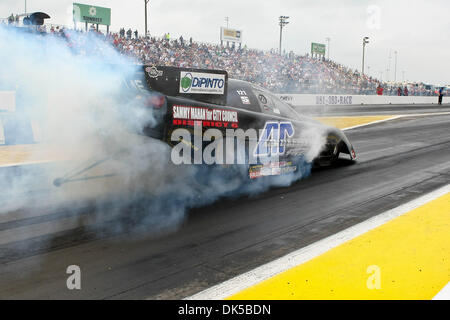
{"x": 203, "y": 85}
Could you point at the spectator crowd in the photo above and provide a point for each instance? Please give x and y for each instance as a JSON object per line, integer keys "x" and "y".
{"x": 286, "y": 73}
{"x": 279, "y": 73}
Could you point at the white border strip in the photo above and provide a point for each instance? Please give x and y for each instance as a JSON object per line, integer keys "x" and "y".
{"x": 444, "y": 294}
{"x": 264, "y": 272}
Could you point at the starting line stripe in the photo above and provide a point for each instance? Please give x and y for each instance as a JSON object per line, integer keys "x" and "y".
{"x": 426, "y": 222}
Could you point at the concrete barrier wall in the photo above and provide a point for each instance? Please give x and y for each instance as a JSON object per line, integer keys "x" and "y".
{"x": 7, "y": 101}
{"x": 314, "y": 99}
{"x": 7, "y": 105}
{"x": 14, "y": 128}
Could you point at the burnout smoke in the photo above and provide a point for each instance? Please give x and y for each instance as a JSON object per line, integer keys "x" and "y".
{"x": 72, "y": 90}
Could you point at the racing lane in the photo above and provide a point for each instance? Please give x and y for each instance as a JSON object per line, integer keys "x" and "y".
{"x": 398, "y": 161}
{"x": 358, "y": 110}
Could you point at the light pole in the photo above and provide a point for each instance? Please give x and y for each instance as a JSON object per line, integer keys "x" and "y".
{"x": 25, "y": 6}
{"x": 365, "y": 41}
{"x": 283, "y": 23}
{"x": 227, "y": 19}
{"x": 395, "y": 67}
{"x": 146, "y": 29}
{"x": 328, "y": 47}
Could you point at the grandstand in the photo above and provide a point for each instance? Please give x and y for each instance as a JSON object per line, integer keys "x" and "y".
{"x": 287, "y": 73}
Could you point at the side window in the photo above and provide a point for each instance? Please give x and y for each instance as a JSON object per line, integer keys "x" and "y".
{"x": 286, "y": 110}
{"x": 273, "y": 106}
{"x": 267, "y": 102}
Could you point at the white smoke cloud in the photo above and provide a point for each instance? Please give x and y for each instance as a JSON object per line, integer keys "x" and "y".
{"x": 76, "y": 95}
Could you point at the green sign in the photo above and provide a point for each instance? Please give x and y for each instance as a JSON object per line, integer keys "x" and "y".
{"x": 91, "y": 14}
{"x": 318, "y": 48}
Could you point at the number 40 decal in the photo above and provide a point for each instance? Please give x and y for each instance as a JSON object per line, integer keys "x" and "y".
{"x": 272, "y": 134}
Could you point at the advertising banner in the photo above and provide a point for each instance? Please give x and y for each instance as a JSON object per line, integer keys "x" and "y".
{"x": 230, "y": 35}
{"x": 91, "y": 14}
{"x": 318, "y": 48}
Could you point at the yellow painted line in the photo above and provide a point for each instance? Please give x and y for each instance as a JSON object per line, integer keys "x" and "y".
{"x": 406, "y": 258}
{"x": 348, "y": 122}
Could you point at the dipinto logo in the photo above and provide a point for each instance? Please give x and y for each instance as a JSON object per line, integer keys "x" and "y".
{"x": 186, "y": 82}
{"x": 202, "y": 83}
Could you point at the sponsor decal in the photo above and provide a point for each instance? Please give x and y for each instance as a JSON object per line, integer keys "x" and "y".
{"x": 245, "y": 100}
{"x": 262, "y": 98}
{"x": 202, "y": 83}
{"x": 271, "y": 169}
{"x": 192, "y": 116}
{"x": 215, "y": 124}
{"x": 153, "y": 72}
{"x": 272, "y": 141}
{"x": 243, "y": 95}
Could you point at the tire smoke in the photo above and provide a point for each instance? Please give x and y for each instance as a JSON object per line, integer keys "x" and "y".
{"x": 72, "y": 90}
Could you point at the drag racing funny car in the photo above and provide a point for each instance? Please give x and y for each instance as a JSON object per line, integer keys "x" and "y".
{"x": 209, "y": 119}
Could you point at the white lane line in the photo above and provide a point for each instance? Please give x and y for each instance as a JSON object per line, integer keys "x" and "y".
{"x": 426, "y": 114}
{"x": 264, "y": 272}
{"x": 393, "y": 118}
{"x": 444, "y": 294}
{"x": 370, "y": 123}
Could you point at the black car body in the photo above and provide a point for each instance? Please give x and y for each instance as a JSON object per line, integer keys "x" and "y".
{"x": 183, "y": 98}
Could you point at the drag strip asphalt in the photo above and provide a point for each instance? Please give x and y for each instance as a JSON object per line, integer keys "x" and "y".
{"x": 399, "y": 160}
